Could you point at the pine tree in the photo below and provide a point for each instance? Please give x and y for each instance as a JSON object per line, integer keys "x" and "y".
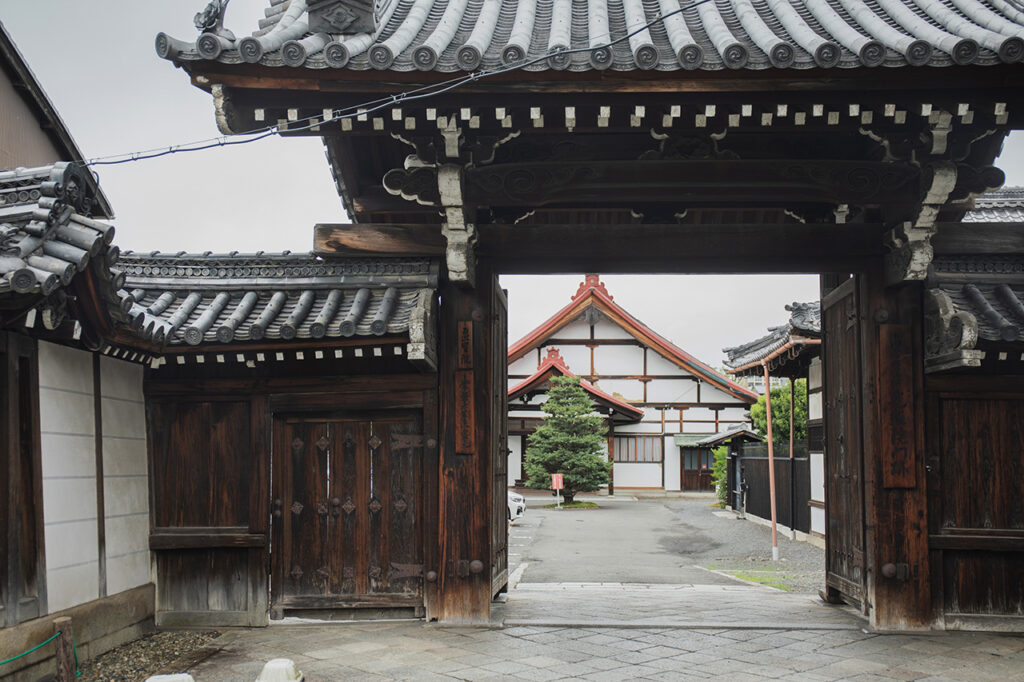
{"x": 570, "y": 441}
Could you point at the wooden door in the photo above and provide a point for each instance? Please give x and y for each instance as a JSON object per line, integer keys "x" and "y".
{"x": 499, "y": 441}
{"x": 696, "y": 469}
{"x": 845, "y": 577}
{"x": 348, "y": 512}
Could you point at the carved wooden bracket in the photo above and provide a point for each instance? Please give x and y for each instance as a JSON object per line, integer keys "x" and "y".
{"x": 459, "y": 232}
{"x": 950, "y": 335}
{"x": 909, "y": 243}
{"x": 422, "y": 347}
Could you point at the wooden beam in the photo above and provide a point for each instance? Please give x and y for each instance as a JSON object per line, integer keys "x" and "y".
{"x": 378, "y": 240}
{"x": 685, "y": 183}
{"x": 553, "y": 249}
{"x": 978, "y": 238}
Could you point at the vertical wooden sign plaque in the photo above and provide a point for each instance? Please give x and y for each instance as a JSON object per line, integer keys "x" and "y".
{"x": 896, "y": 406}
{"x": 465, "y": 431}
{"x": 465, "y": 341}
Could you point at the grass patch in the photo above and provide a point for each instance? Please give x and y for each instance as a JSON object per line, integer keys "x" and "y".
{"x": 761, "y": 578}
{"x": 573, "y": 505}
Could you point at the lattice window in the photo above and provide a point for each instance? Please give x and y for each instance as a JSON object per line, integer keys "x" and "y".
{"x": 637, "y": 449}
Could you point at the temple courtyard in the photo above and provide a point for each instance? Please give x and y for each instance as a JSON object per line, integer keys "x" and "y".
{"x": 660, "y": 589}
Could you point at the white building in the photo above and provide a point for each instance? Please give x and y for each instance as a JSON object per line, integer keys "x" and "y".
{"x": 650, "y": 389}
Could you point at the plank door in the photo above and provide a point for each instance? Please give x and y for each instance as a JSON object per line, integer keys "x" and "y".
{"x": 499, "y": 441}
{"x": 844, "y": 455}
{"x": 348, "y": 513}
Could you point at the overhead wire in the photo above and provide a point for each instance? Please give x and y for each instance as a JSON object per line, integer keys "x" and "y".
{"x": 369, "y": 107}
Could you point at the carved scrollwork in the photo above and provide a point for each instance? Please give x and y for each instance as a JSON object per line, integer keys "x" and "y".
{"x": 532, "y": 185}
{"x": 950, "y": 335}
{"x": 416, "y": 184}
{"x": 344, "y": 17}
{"x": 688, "y": 147}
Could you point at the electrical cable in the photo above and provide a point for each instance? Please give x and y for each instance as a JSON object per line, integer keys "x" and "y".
{"x": 365, "y": 108}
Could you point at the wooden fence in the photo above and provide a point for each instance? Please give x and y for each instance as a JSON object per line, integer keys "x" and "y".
{"x": 792, "y": 483}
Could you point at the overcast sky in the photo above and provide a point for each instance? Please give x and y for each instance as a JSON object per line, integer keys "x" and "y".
{"x": 95, "y": 59}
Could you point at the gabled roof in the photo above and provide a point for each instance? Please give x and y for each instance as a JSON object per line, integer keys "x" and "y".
{"x": 592, "y": 293}
{"x": 781, "y": 343}
{"x": 465, "y": 35}
{"x": 553, "y": 365}
{"x": 50, "y": 122}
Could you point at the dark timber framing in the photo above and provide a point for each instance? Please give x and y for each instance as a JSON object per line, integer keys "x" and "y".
{"x": 843, "y": 171}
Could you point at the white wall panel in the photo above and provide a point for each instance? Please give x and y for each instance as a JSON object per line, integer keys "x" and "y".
{"x": 577, "y": 329}
{"x": 67, "y": 428}
{"x": 817, "y": 464}
{"x": 659, "y": 364}
{"x": 814, "y": 408}
{"x": 642, "y": 427}
{"x": 515, "y": 459}
{"x": 694, "y": 413}
{"x": 687, "y": 393}
{"x": 125, "y": 475}
{"x": 669, "y": 390}
{"x": 814, "y": 374}
{"x": 606, "y": 329}
{"x": 673, "y": 476}
{"x": 818, "y": 520}
{"x": 637, "y": 475}
{"x": 610, "y": 359}
{"x": 629, "y": 389}
{"x": 576, "y": 357}
{"x": 711, "y": 394}
{"x": 525, "y": 365}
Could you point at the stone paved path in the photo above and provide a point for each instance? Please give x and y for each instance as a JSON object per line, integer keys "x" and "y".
{"x": 413, "y": 651}
{"x": 634, "y": 605}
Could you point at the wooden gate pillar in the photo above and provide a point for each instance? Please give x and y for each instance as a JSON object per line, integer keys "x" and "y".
{"x": 895, "y": 509}
{"x": 471, "y": 369}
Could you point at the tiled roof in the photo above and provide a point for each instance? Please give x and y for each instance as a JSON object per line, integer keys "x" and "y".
{"x": 1004, "y": 205}
{"x": 988, "y": 288}
{"x": 804, "y": 322}
{"x": 194, "y": 299}
{"x": 465, "y": 35}
{"x": 554, "y": 364}
{"x": 45, "y": 237}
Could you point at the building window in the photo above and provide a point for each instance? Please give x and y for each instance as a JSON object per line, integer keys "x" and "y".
{"x": 637, "y": 448}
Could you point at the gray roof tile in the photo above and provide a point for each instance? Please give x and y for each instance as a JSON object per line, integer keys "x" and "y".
{"x": 454, "y": 35}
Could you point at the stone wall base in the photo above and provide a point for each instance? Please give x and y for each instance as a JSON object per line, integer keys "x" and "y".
{"x": 99, "y": 626}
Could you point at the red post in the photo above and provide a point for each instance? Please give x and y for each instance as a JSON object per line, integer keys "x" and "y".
{"x": 771, "y": 460}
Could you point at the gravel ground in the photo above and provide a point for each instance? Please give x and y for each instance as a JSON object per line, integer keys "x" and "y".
{"x": 744, "y": 549}
{"x": 158, "y": 653}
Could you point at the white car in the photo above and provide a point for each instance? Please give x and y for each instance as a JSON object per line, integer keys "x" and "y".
{"x": 516, "y": 506}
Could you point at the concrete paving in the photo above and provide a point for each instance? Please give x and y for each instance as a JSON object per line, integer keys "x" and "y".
{"x": 710, "y": 627}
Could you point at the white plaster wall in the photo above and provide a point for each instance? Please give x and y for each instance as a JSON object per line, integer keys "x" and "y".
{"x": 817, "y": 476}
{"x": 669, "y": 390}
{"x": 814, "y": 407}
{"x": 515, "y": 459}
{"x": 629, "y": 389}
{"x": 67, "y": 428}
{"x": 125, "y": 475}
{"x": 642, "y": 427}
{"x": 703, "y": 413}
{"x": 710, "y": 394}
{"x": 606, "y": 329}
{"x": 659, "y": 364}
{"x": 576, "y": 357}
{"x": 673, "y": 476}
{"x": 577, "y": 329}
{"x": 525, "y": 365}
{"x": 698, "y": 428}
{"x": 814, "y": 373}
{"x": 818, "y": 520}
{"x": 736, "y": 414}
{"x": 688, "y": 393}
{"x": 609, "y": 359}
{"x": 637, "y": 475}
